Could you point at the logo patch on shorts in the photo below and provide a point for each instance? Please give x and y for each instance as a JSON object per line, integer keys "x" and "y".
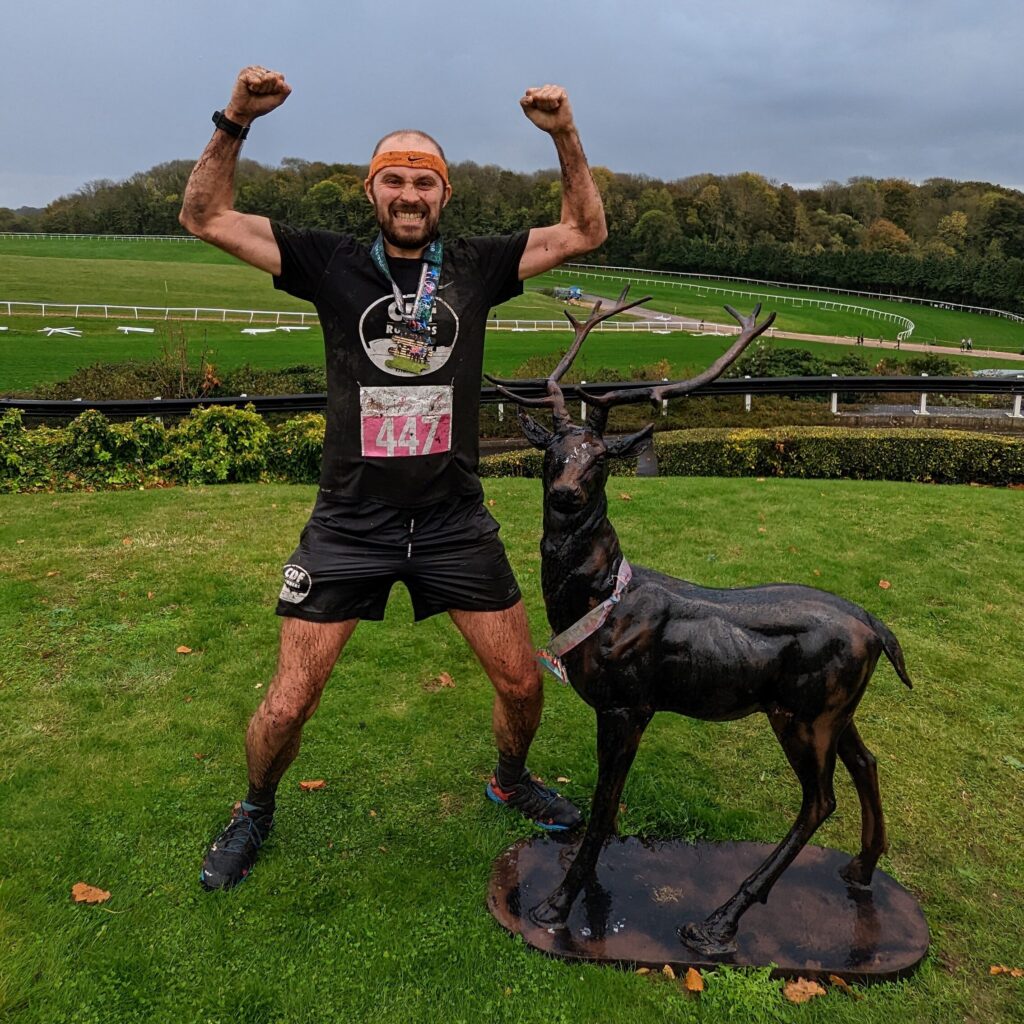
{"x": 297, "y": 583}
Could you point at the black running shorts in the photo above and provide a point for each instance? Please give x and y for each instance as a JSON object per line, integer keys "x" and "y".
{"x": 350, "y": 554}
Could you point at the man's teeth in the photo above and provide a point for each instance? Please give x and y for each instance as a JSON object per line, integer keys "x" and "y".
{"x": 403, "y": 215}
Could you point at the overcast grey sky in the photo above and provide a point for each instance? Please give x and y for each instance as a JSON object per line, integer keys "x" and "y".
{"x": 798, "y": 90}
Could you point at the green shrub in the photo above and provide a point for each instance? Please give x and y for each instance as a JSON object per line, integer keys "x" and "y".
{"x": 219, "y": 444}
{"x": 296, "y": 448}
{"x": 223, "y": 444}
{"x": 935, "y": 456}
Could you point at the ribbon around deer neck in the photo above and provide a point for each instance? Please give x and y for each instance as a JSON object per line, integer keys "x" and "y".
{"x": 550, "y": 657}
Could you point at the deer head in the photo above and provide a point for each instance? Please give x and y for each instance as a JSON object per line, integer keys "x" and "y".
{"x": 576, "y": 456}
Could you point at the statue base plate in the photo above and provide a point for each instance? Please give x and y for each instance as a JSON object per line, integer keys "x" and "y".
{"x": 813, "y": 924}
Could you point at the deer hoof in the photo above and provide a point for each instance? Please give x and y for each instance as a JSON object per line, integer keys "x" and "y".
{"x": 704, "y": 939}
{"x": 550, "y": 913}
{"x": 856, "y": 874}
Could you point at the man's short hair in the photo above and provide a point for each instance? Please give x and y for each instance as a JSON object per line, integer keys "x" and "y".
{"x": 409, "y": 131}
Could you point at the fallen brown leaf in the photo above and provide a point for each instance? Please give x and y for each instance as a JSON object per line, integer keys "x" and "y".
{"x": 843, "y": 985}
{"x": 1013, "y": 972}
{"x": 491, "y": 502}
{"x": 198, "y": 756}
{"x": 149, "y": 595}
{"x": 693, "y": 982}
{"x": 309, "y": 784}
{"x": 127, "y": 542}
{"x": 643, "y": 970}
{"x": 817, "y": 572}
{"x": 563, "y": 779}
{"x": 82, "y": 893}
{"x": 668, "y": 972}
{"x": 802, "y": 990}
{"x": 373, "y": 813}
{"x": 183, "y": 649}
{"x": 626, "y": 497}
{"x": 53, "y": 572}
{"x": 188, "y": 699}
{"x": 884, "y": 584}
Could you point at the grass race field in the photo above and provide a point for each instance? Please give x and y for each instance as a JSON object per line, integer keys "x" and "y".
{"x": 155, "y": 273}
{"x": 122, "y": 757}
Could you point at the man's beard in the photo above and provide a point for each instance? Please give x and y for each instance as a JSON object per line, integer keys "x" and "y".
{"x": 420, "y": 240}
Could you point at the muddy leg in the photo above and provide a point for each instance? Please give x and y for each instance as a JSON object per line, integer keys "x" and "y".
{"x": 811, "y": 750}
{"x": 861, "y": 765}
{"x": 618, "y": 737}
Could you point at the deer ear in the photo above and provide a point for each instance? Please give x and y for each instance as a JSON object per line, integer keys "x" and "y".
{"x": 632, "y": 445}
{"x": 538, "y": 436}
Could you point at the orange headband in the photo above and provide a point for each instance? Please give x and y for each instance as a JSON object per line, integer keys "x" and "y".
{"x": 408, "y": 158}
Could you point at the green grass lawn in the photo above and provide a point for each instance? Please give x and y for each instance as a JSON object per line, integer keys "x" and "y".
{"x": 705, "y": 300}
{"x": 29, "y": 358}
{"x": 120, "y": 758}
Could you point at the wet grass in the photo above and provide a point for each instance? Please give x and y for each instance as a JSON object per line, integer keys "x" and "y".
{"x": 121, "y": 757}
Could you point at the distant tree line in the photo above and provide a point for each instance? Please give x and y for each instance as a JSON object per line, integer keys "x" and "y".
{"x": 943, "y": 239}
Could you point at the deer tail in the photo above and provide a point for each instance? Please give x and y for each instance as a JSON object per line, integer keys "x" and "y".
{"x": 892, "y": 649}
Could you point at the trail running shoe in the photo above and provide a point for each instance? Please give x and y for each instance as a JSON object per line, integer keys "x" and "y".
{"x": 232, "y": 854}
{"x": 544, "y": 807}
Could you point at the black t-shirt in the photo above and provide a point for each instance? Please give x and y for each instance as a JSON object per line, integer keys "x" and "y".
{"x": 402, "y": 418}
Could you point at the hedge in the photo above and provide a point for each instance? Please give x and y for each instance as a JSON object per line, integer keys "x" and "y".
{"x": 226, "y": 445}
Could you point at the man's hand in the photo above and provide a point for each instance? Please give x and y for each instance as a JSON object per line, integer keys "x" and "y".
{"x": 257, "y": 91}
{"x": 548, "y": 108}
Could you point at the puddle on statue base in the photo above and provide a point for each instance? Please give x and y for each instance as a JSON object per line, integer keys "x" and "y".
{"x": 813, "y": 924}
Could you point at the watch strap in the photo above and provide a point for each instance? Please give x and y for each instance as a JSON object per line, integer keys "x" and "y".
{"x": 233, "y": 128}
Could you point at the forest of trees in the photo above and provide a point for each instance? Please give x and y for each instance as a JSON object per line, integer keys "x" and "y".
{"x": 944, "y": 240}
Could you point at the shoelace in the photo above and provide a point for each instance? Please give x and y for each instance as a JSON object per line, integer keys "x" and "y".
{"x": 239, "y": 832}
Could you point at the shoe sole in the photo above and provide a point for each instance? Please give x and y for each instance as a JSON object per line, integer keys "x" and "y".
{"x": 491, "y": 795}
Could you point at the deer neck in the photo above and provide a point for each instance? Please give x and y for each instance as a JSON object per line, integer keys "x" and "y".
{"x": 580, "y": 554}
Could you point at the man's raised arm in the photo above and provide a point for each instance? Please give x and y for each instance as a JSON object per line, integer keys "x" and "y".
{"x": 581, "y": 228}
{"x": 208, "y": 207}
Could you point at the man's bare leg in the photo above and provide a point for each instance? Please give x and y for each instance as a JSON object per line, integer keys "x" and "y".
{"x": 308, "y": 653}
{"x": 501, "y": 642}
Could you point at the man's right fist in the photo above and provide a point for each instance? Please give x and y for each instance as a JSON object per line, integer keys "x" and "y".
{"x": 257, "y": 91}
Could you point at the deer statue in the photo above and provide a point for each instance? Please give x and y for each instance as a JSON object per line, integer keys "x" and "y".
{"x": 633, "y": 641}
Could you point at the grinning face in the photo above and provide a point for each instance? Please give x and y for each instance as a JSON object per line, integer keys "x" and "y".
{"x": 408, "y": 205}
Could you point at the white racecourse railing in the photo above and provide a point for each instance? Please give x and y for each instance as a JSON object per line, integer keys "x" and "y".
{"x": 885, "y": 296}
{"x": 627, "y": 326}
{"x": 640, "y": 277}
{"x": 199, "y": 313}
{"x": 106, "y": 238}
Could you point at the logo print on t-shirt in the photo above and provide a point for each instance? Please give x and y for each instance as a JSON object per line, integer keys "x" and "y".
{"x": 394, "y": 350}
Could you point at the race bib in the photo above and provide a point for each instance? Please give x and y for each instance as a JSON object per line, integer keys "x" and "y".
{"x": 398, "y": 422}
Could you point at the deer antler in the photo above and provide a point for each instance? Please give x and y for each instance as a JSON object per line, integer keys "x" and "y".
{"x": 626, "y": 396}
{"x": 554, "y": 399}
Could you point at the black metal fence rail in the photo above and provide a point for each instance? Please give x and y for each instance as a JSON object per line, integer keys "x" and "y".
{"x": 121, "y": 409}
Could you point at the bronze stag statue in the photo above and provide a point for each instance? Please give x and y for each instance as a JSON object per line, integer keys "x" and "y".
{"x": 633, "y": 641}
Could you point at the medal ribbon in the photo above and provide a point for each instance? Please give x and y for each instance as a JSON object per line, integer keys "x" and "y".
{"x": 550, "y": 657}
{"x": 423, "y": 305}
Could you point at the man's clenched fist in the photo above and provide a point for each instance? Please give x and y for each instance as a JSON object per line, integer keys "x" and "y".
{"x": 257, "y": 91}
{"x": 548, "y": 108}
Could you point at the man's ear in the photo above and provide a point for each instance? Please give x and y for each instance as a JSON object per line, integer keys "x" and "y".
{"x": 447, "y": 196}
{"x": 368, "y": 190}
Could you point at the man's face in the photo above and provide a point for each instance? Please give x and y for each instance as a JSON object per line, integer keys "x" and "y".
{"x": 408, "y": 204}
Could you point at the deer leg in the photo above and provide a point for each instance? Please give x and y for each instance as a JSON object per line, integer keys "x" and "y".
{"x": 861, "y": 765}
{"x": 618, "y": 737}
{"x": 811, "y": 749}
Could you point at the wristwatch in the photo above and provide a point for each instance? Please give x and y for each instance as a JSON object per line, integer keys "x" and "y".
{"x": 233, "y": 128}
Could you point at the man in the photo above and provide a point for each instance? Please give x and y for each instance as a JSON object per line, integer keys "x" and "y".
{"x": 399, "y": 497}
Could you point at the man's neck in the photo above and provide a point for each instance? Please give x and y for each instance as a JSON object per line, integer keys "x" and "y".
{"x": 403, "y": 254}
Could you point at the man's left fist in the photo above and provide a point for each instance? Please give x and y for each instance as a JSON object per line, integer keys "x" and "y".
{"x": 548, "y": 108}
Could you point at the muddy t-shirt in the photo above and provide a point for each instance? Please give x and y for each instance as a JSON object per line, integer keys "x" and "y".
{"x": 402, "y": 416}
